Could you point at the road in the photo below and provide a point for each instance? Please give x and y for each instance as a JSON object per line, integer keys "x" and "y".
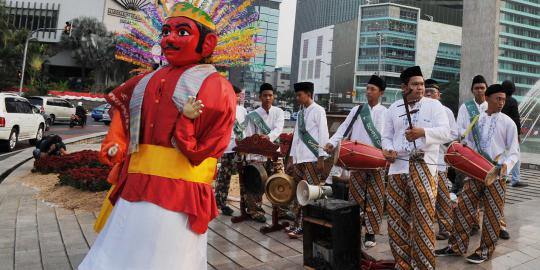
{"x": 64, "y": 131}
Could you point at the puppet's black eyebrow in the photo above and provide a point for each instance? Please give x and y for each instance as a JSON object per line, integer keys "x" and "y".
{"x": 183, "y": 24}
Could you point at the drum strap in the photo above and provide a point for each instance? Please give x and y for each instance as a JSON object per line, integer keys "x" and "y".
{"x": 474, "y": 115}
{"x": 306, "y": 138}
{"x": 348, "y": 132}
{"x": 238, "y": 129}
{"x": 373, "y": 133}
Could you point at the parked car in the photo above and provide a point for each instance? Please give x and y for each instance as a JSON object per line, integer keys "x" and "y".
{"x": 287, "y": 115}
{"x": 46, "y": 116}
{"x": 294, "y": 116}
{"x": 106, "y": 117}
{"x": 97, "y": 112}
{"x": 59, "y": 109}
{"x": 19, "y": 121}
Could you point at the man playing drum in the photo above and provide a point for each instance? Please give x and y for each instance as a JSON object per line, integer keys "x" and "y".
{"x": 443, "y": 206}
{"x": 365, "y": 124}
{"x": 311, "y": 131}
{"x": 411, "y": 140}
{"x": 494, "y": 136}
{"x": 268, "y": 122}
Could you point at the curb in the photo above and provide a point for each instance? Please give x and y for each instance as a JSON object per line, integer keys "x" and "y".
{"x": 13, "y": 162}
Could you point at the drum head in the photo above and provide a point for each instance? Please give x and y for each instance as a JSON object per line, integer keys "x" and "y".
{"x": 254, "y": 178}
{"x": 280, "y": 189}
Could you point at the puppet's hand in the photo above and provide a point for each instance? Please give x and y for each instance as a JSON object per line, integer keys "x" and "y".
{"x": 192, "y": 108}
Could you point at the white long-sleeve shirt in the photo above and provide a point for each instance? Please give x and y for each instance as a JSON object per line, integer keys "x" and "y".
{"x": 499, "y": 138}
{"x": 241, "y": 113}
{"x": 432, "y": 117}
{"x": 274, "y": 119}
{"x": 317, "y": 127}
{"x": 453, "y": 136}
{"x": 463, "y": 119}
{"x": 358, "y": 131}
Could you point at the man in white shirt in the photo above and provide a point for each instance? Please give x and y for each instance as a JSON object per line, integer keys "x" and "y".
{"x": 495, "y": 137}
{"x": 307, "y": 153}
{"x": 365, "y": 124}
{"x": 467, "y": 111}
{"x": 268, "y": 122}
{"x": 227, "y": 161}
{"x": 443, "y": 206}
{"x": 412, "y": 187}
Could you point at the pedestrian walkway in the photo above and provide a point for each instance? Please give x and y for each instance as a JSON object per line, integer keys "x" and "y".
{"x": 34, "y": 235}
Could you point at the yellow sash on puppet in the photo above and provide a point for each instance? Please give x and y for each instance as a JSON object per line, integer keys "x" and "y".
{"x": 158, "y": 161}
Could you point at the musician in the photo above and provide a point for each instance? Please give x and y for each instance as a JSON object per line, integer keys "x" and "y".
{"x": 494, "y": 136}
{"x": 466, "y": 113}
{"x": 443, "y": 206}
{"x": 228, "y": 166}
{"x": 311, "y": 130}
{"x": 365, "y": 124}
{"x": 412, "y": 187}
{"x": 267, "y": 121}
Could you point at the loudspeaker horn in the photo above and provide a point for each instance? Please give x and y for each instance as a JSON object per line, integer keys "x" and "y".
{"x": 306, "y": 193}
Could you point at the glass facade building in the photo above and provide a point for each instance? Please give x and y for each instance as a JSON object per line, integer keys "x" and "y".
{"x": 519, "y": 43}
{"x": 398, "y": 26}
{"x": 447, "y": 63}
{"x": 268, "y": 24}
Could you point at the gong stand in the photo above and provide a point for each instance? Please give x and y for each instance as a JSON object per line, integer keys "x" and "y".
{"x": 259, "y": 146}
{"x": 285, "y": 150}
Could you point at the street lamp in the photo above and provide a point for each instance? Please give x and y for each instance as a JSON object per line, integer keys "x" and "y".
{"x": 28, "y": 38}
{"x": 380, "y": 38}
{"x": 333, "y": 80}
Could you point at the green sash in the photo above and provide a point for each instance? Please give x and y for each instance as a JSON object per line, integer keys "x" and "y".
{"x": 473, "y": 112}
{"x": 238, "y": 129}
{"x": 373, "y": 133}
{"x": 259, "y": 122}
{"x": 311, "y": 143}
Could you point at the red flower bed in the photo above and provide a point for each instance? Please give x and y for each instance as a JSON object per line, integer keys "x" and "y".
{"x": 81, "y": 170}
{"x": 86, "y": 178}
{"x": 58, "y": 164}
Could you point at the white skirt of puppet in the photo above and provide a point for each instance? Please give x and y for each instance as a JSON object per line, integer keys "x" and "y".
{"x": 144, "y": 236}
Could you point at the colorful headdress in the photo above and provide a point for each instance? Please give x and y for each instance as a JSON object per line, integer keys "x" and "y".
{"x": 232, "y": 20}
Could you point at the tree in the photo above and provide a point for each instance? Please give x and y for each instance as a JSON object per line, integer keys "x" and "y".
{"x": 450, "y": 95}
{"x": 87, "y": 40}
{"x": 93, "y": 47}
{"x": 12, "y": 42}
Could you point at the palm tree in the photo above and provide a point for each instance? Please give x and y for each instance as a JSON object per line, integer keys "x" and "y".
{"x": 84, "y": 42}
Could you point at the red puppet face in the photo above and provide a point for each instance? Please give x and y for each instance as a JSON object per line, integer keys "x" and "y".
{"x": 180, "y": 39}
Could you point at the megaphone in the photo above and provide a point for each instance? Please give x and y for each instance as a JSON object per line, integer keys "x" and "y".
{"x": 306, "y": 193}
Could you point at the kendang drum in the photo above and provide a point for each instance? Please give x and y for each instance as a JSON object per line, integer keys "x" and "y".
{"x": 354, "y": 155}
{"x": 255, "y": 177}
{"x": 471, "y": 163}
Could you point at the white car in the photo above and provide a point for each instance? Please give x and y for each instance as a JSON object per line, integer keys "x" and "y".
{"x": 106, "y": 118}
{"x": 19, "y": 121}
{"x": 57, "y": 108}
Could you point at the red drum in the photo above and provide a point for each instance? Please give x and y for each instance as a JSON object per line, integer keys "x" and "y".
{"x": 471, "y": 163}
{"x": 354, "y": 155}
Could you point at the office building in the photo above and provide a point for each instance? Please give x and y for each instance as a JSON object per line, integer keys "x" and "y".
{"x": 251, "y": 77}
{"x": 501, "y": 40}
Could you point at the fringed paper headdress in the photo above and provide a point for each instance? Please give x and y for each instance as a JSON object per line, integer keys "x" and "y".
{"x": 232, "y": 20}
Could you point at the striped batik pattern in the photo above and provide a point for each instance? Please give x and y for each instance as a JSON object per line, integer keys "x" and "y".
{"x": 411, "y": 208}
{"x": 443, "y": 205}
{"x": 492, "y": 198}
{"x": 366, "y": 188}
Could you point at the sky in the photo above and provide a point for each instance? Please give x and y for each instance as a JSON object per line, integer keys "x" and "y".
{"x": 286, "y": 32}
